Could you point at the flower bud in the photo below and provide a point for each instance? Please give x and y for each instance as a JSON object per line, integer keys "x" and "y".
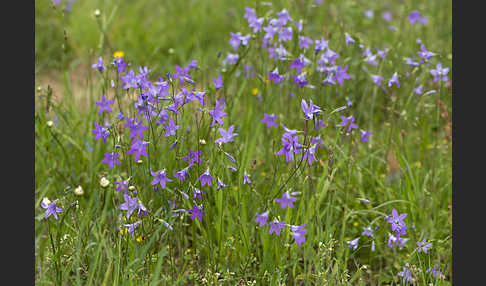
{"x": 104, "y": 182}
{"x": 46, "y": 201}
{"x": 79, "y": 191}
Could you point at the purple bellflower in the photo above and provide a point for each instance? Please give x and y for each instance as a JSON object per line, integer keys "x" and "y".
{"x": 138, "y": 148}
{"x": 299, "y": 63}
{"x": 394, "y": 80}
{"x": 387, "y": 16}
{"x": 368, "y": 231}
{"x": 181, "y": 175}
{"x": 439, "y": 73}
{"x": 423, "y": 246}
{"x": 348, "y": 39}
{"x": 369, "y": 13}
{"x": 415, "y": 17}
{"x": 286, "y": 201}
{"x": 217, "y": 112}
{"x": 130, "y": 205}
{"x": 192, "y": 157}
{"x": 170, "y": 128}
{"x": 396, "y": 220}
{"x": 424, "y": 54}
{"x": 304, "y": 42}
{"x": 206, "y": 178}
{"x": 377, "y": 79}
{"x": 136, "y": 127}
{"x": 131, "y": 227}
{"x": 99, "y": 65}
{"x": 406, "y": 275}
{"x": 309, "y": 155}
{"x": 283, "y": 17}
{"x": 51, "y": 209}
{"x": 310, "y": 109}
{"x": 104, "y": 104}
{"x": 418, "y": 89}
{"x": 300, "y": 80}
{"x": 291, "y": 147}
{"x": 275, "y": 227}
{"x": 129, "y": 80}
{"x": 198, "y": 194}
{"x": 261, "y": 218}
{"x": 160, "y": 178}
{"x": 182, "y": 74}
{"x": 196, "y": 212}
{"x": 100, "y": 132}
{"x": 226, "y": 136}
{"x": 320, "y": 45}
{"x": 269, "y": 120}
{"x": 220, "y": 185}
{"x": 298, "y": 233}
{"x": 122, "y": 185}
{"x": 230, "y": 59}
{"x": 349, "y": 123}
{"x": 246, "y": 179}
{"x": 365, "y": 135}
{"x": 218, "y": 82}
{"x": 353, "y": 243}
{"x": 341, "y": 74}
{"x": 142, "y": 209}
{"x": 274, "y": 76}
{"x": 111, "y": 158}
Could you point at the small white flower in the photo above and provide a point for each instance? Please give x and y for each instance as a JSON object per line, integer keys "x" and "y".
{"x": 79, "y": 191}
{"x": 46, "y": 201}
{"x": 104, "y": 182}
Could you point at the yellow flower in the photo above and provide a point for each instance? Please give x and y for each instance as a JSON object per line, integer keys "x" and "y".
{"x": 118, "y": 54}
{"x": 254, "y": 91}
{"x": 123, "y": 232}
{"x": 139, "y": 239}
{"x": 355, "y": 223}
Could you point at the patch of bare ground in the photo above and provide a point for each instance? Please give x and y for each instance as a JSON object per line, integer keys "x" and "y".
{"x": 78, "y": 85}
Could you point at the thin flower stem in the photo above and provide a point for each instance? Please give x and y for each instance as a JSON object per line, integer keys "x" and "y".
{"x": 54, "y": 253}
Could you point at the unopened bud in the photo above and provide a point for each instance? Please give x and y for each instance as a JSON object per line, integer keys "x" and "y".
{"x": 79, "y": 191}
{"x": 104, "y": 182}
{"x": 46, "y": 201}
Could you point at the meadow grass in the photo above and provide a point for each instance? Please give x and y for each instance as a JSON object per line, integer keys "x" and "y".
{"x": 405, "y": 164}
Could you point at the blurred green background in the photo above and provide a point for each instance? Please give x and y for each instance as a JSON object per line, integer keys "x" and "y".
{"x": 160, "y": 34}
